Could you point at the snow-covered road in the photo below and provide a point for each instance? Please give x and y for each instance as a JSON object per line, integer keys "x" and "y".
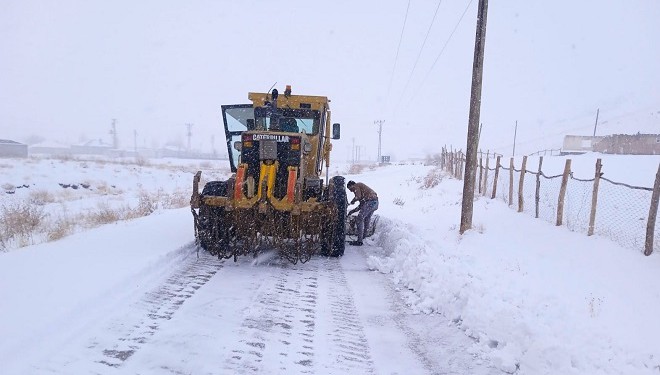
{"x": 327, "y": 316}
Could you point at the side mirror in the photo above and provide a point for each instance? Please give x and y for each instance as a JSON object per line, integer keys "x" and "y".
{"x": 336, "y": 131}
{"x": 238, "y": 145}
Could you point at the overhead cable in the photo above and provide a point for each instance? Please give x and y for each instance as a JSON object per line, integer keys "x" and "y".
{"x": 396, "y": 58}
{"x": 442, "y": 50}
{"x": 421, "y": 49}
{"x": 448, "y": 39}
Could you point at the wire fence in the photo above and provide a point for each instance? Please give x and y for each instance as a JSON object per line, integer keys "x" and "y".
{"x": 623, "y": 213}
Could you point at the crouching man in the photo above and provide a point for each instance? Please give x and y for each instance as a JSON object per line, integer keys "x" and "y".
{"x": 368, "y": 204}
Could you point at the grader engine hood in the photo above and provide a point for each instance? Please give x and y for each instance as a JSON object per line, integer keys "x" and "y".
{"x": 257, "y": 147}
{"x": 276, "y": 155}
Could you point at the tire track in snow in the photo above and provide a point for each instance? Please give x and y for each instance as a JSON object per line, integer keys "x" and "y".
{"x": 303, "y": 321}
{"x": 278, "y": 329}
{"x": 348, "y": 346}
{"x": 157, "y": 307}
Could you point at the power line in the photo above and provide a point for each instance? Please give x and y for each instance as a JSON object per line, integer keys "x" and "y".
{"x": 448, "y": 39}
{"x": 396, "y": 58}
{"x": 441, "y": 51}
{"x": 421, "y": 49}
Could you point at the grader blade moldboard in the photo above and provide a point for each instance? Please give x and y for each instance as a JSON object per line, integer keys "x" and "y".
{"x": 251, "y": 231}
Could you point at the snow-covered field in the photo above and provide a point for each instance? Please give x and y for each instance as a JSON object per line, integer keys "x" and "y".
{"x": 514, "y": 295}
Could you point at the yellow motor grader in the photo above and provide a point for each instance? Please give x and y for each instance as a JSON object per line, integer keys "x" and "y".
{"x": 276, "y": 197}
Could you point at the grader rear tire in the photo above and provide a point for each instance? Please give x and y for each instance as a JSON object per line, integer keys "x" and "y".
{"x": 212, "y": 226}
{"x": 335, "y": 245}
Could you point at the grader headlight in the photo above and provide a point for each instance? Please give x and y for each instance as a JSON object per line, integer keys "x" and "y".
{"x": 295, "y": 143}
{"x": 247, "y": 140}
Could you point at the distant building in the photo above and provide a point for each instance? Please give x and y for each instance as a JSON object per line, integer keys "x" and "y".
{"x": 579, "y": 144}
{"x": 140, "y": 152}
{"x": 50, "y": 148}
{"x": 627, "y": 144}
{"x": 171, "y": 152}
{"x": 636, "y": 144}
{"x": 93, "y": 147}
{"x": 13, "y": 149}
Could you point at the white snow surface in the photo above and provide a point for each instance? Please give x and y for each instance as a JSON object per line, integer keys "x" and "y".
{"x": 513, "y": 295}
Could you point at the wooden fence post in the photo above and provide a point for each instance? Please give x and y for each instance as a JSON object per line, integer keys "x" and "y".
{"x": 510, "y": 181}
{"x": 653, "y": 213}
{"x": 497, "y": 173}
{"x": 520, "y": 184}
{"x": 594, "y": 198}
{"x": 460, "y": 165}
{"x": 537, "y": 197}
{"x": 449, "y": 161}
{"x": 486, "y": 178}
{"x": 442, "y": 159}
{"x": 481, "y": 172}
{"x": 562, "y": 192}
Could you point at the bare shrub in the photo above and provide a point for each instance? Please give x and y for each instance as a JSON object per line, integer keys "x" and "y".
{"x": 399, "y": 202}
{"x": 142, "y": 161}
{"x": 432, "y": 179}
{"x": 178, "y": 199}
{"x": 356, "y": 168}
{"x": 41, "y": 197}
{"x": 60, "y": 228}
{"x": 147, "y": 204}
{"x": 64, "y": 157}
{"x": 103, "y": 215}
{"x": 19, "y": 221}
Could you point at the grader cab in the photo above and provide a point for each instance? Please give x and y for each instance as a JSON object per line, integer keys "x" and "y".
{"x": 276, "y": 198}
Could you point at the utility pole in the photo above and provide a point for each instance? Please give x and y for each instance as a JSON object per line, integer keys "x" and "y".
{"x": 473, "y": 122}
{"x": 135, "y": 140}
{"x": 189, "y": 134}
{"x": 353, "y": 150}
{"x": 113, "y": 131}
{"x": 596, "y": 124}
{"x": 515, "y": 133}
{"x": 379, "y": 123}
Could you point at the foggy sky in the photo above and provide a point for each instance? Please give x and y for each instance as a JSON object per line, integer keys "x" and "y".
{"x": 69, "y": 67}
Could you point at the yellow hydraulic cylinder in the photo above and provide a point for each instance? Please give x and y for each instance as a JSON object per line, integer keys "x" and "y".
{"x": 267, "y": 176}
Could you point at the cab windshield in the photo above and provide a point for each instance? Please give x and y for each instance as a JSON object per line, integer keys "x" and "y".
{"x": 287, "y": 120}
